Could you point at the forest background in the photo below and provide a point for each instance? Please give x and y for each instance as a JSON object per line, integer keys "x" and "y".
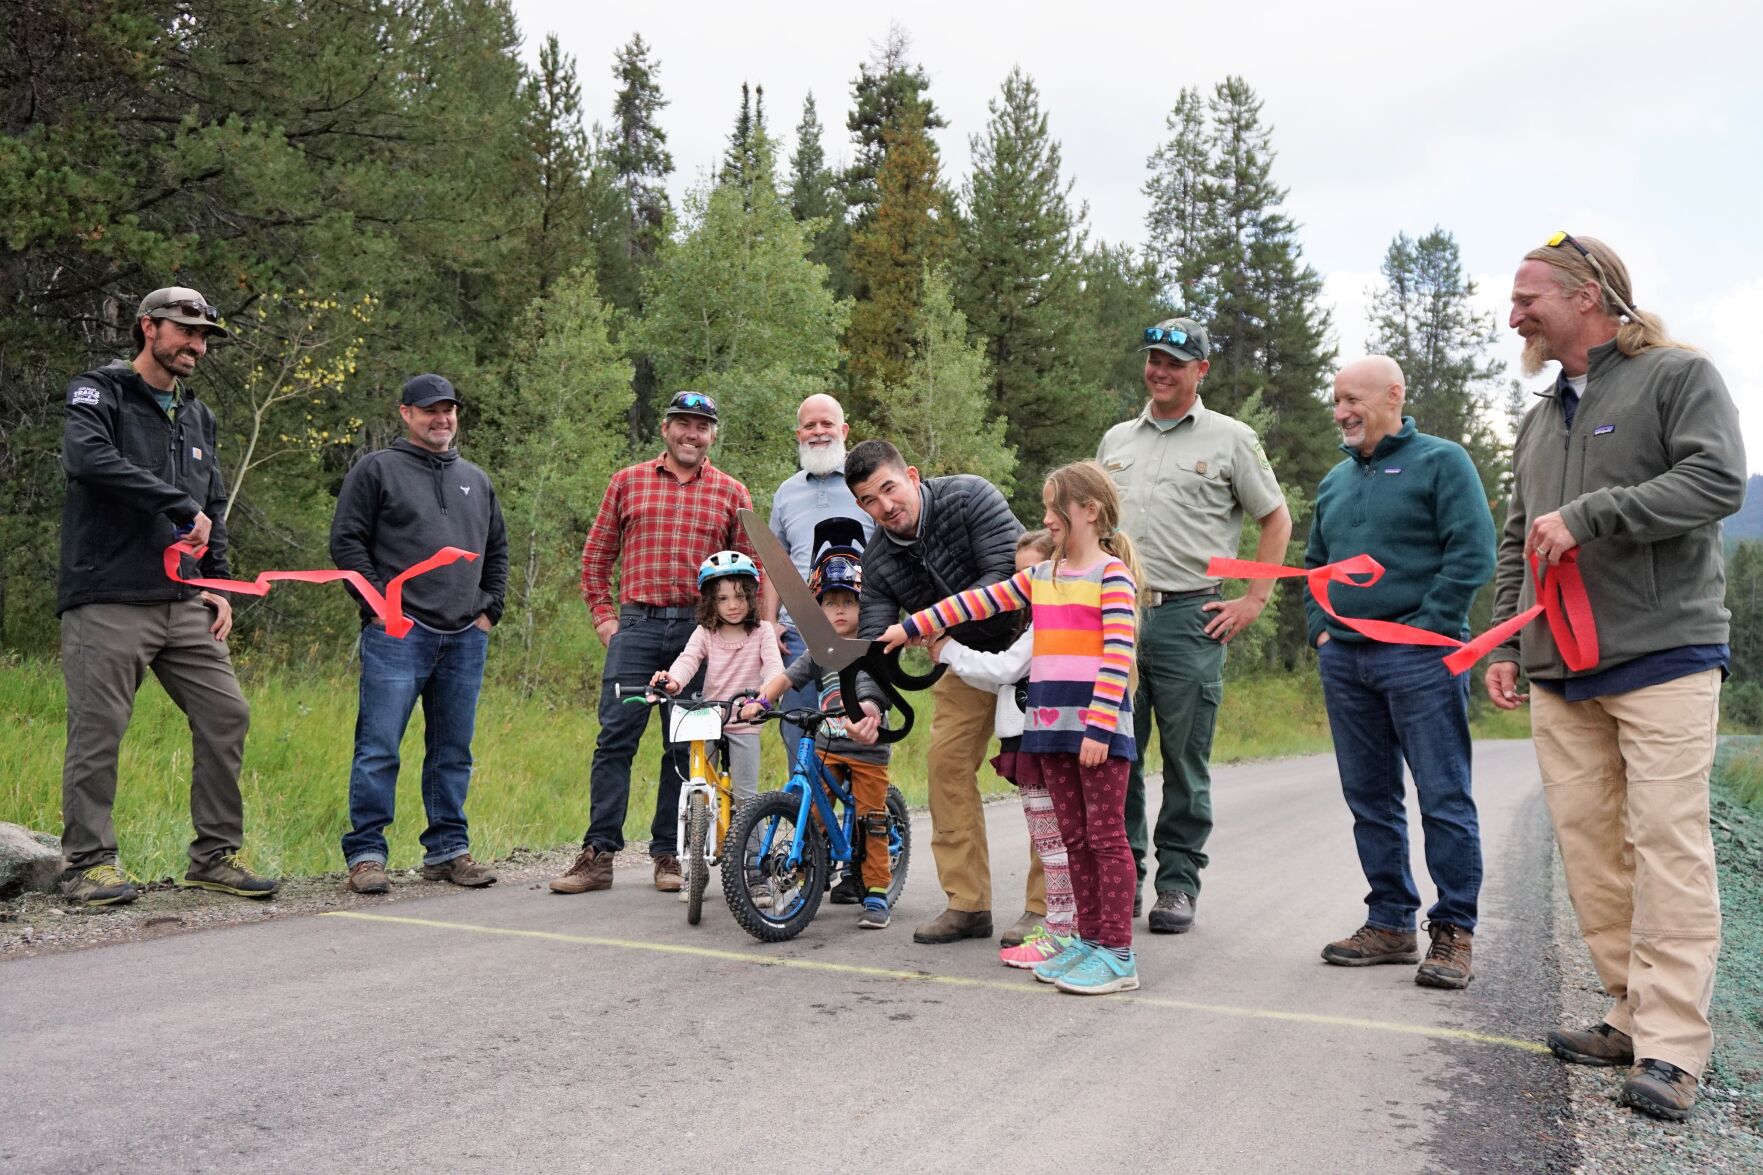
{"x": 373, "y": 189}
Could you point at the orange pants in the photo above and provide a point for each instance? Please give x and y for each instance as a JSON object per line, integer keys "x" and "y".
{"x": 869, "y": 787}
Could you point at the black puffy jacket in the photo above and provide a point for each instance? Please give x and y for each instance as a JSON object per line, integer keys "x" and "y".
{"x": 133, "y": 476}
{"x": 966, "y": 539}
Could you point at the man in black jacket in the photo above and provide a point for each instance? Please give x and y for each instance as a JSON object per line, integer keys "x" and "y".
{"x": 397, "y": 507}
{"x": 933, "y": 539}
{"x": 139, "y": 452}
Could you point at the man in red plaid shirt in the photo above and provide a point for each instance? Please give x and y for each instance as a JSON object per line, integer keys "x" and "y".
{"x": 659, "y": 519}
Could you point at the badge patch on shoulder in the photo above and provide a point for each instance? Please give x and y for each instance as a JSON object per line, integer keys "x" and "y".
{"x": 1602, "y": 429}
{"x": 85, "y": 395}
{"x": 1393, "y": 469}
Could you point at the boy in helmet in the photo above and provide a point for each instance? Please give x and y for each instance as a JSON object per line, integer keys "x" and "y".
{"x": 852, "y": 754}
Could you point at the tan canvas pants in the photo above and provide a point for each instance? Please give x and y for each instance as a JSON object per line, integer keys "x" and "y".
{"x": 960, "y": 731}
{"x": 1626, "y": 778}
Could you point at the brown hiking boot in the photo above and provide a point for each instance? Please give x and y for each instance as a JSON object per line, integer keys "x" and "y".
{"x": 368, "y": 877}
{"x": 229, "y": 874}
{"x": 591, "y": 870}
{"x": 460, "y": 870}
{"x": 1602, "y": 1045}
{"x": 1368, "y": 945}
{"x": 955, "y": 925}
{"x": 1019, "y": 929}
{"x": 668, "y": 878}
{"x": 100, "y": 885}
{"x": 1660, "y": 1089}
{"x": 1447, "y": 960}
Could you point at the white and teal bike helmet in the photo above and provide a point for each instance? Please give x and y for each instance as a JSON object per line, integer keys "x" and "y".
{"x": 726, "y": 563}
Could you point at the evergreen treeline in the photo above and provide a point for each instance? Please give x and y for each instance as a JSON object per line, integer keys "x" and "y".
{"x": 380, "y": 187}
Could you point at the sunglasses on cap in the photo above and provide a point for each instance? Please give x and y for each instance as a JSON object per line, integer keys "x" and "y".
{"x": 1162, "y": 334}
{"x": 185, "y": 306}
{"x": 1566, "y": 238}
{"x": 692, "y": 402}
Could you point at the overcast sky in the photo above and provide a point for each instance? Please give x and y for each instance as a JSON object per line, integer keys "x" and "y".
{"x": 1640, "y": 124}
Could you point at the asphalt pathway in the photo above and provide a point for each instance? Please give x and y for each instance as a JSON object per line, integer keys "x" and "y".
{"x": 517, "y": 1030}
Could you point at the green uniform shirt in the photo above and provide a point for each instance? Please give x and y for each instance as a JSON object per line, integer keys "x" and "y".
{"x": 1184, "y": 491}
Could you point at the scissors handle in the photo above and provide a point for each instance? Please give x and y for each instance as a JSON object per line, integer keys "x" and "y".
{"x": 885, "y": 670}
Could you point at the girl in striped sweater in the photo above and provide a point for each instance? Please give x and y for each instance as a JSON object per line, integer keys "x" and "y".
{"x": 1077, "y": 741}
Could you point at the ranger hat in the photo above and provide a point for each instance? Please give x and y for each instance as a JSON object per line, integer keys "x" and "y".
{"x": 423, "y": 390}
{"x": 1181, "y": 337}
{"x": 182, "y": 304}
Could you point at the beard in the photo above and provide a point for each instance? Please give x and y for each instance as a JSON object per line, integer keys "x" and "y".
{"x": 821, "y": 460}
{"x": 1536, "y": 354}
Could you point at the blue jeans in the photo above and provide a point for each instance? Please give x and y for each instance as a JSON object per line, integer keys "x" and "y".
{"x": 642, "y": 645}
{"x": 805, "y": 698}
{"x": 1386, "y": 704}
{"x": 445, "y": 670}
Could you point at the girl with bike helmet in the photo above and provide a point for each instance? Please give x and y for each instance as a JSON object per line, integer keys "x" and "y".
{"x": 737, "y": 651}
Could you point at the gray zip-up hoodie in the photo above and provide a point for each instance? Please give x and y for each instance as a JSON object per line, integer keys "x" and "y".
{"x": 400, "y": 505}
{"x": 1651, "y": 465}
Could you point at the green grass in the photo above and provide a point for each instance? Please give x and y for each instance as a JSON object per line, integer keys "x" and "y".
{"x": 531, "y": 783}
{"x": 1741, "y": 771}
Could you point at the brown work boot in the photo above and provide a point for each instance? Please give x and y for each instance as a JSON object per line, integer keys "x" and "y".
{"x": 1660, "y": 1089}
{"x": 668, "y": 878}
{"x": 1602, "y": 1045}
{"x": 591, "y": 870}
{"x": 1447, "y": 960}
{"x": 955, "y": 925}
{"x": 1369, "y": 944}
{"x": 1019, "y": 929}
{"x": 460, "y": 870}
{"x": 368, "y": 877}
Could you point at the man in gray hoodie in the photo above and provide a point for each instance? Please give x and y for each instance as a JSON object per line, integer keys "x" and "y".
{"x": 397, "y": 507}
{"x": 1629, "y": 462}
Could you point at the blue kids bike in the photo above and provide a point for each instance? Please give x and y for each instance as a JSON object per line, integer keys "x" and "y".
{"x": 778, "y": 858}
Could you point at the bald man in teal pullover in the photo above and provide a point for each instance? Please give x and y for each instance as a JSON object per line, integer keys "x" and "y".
{"x": 1415, "y": 504}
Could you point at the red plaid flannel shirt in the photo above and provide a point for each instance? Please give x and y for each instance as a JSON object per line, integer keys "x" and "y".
{"x": 658, "y": 529}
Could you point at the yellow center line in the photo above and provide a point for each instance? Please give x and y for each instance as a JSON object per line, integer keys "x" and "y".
{"x": 625, "y": 944}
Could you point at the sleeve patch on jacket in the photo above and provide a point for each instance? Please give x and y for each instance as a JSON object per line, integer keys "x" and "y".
{"x": 85, "y": 395}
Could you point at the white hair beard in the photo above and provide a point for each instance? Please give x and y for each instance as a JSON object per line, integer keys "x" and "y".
{"x": 821, "y": 460}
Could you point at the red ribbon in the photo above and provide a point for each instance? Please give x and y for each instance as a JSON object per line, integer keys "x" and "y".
{"x": 389, "y": 607}
{"x": 1561, "y": 597}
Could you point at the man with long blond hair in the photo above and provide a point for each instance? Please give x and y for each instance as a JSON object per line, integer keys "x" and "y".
{"x": 1628, "y": 463}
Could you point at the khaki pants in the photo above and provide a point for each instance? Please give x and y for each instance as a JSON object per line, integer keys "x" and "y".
{"x": 1626, "y": 778}
{"x": 869, "y": 787}
{"x": 106, "y": 651}
{"x": 960, "y": 731}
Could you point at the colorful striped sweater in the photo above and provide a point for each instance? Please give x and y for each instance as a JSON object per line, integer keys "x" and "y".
{"x": 1084, "y": 631}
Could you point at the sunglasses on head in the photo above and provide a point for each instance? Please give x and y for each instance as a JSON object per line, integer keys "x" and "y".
{"x": 695, "y": 401}
{"x": 193, "y": 309}
{"x": 1161, "y": 334}
{"x": 1566, "y": 238}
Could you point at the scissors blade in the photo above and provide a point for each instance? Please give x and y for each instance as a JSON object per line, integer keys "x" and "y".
{"x": 828, "y": 648}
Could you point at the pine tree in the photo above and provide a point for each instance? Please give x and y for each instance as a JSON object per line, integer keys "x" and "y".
{"x": 558, "y": 228}
{"x": 1181, "y": 225}
{"x": 1018, "y": 283}
{"x": 1122, "y": 295}
{"x": 640, "y": 163}
{"x": 738, "y": 162}
{"x": 1425, "y": 319}
{"x": 885, "y": 89}
{"x": 815, "y": 199}
{"x": 907, "y": 236}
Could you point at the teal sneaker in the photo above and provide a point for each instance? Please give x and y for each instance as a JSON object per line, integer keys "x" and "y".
{"x": 1074, "y": 953}
{"x": 1101, "y": 972}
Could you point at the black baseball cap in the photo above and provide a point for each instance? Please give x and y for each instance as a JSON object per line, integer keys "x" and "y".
{"x": 692, "y": 404}
{"x": 427, "y": 389}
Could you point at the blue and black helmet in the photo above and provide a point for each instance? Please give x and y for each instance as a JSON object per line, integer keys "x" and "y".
{"x": 726, "y": 563}
{"x": 840, "y": 569}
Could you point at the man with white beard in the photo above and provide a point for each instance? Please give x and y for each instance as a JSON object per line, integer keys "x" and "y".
{"x": 813, "y": 509}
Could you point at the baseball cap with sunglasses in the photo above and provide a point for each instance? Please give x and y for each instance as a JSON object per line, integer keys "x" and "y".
{"x": 184, "y": 305}
{"x": 692, "y": 404}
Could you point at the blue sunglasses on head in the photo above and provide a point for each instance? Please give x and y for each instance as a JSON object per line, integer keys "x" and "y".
{"x": 1158, "y": 334}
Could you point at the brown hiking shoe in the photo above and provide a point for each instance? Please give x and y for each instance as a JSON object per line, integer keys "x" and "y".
{"x": 100, "y": 885}
{"x": 1368, "y": 945}
{"x": 955, "y": 925}
{"x": 229, "y": 874}
{"x": 1447, "y": 960}
{"x": 1020, "y": 929}
{"x": 1602, "y": 1045}
{"x": 668, "y": 878}
{"x": 460, "y": 870}
{"x": 591, "y": 870}
{"x": 1659, "y": 1088}
{"x": 368, "y": 877}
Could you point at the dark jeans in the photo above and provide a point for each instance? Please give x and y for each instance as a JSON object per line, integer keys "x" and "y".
{"x": 642, "y": 645}
{"x": 806, "y": 697}
{"x": 1181, "y": 683}
{"x": 445, "y": 670}
{"x": 1386, "y": 704}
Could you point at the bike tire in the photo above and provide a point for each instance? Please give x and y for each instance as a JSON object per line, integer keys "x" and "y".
{"x": 899, "y": 844}
{"x": 697, "y": 868}
{"x": 795, "y": 894}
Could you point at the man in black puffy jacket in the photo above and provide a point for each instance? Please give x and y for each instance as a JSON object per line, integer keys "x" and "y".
{"x": 397, "y": 507}
{"x": 139, "y": 451}
{"x": 933, "y": 539}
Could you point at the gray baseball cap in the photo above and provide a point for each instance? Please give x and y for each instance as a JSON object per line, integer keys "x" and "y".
{"x": 1181, "y": 337}
{"x": 182, "y": 304}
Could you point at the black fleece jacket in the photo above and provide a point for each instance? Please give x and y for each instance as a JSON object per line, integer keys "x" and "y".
{"x": 400, "y": 505}
{"x": 133, "y": 476}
